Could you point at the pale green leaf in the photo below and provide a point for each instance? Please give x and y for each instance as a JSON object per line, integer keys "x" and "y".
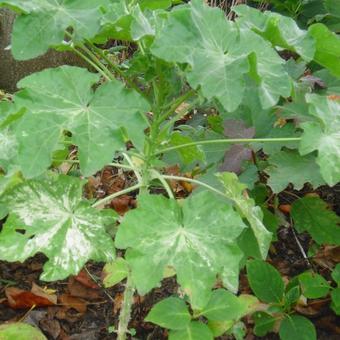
{"x": 194, "y": 331}
{"x": 114, "y": 272}
{"x": 44, "y": 23}
{"x": 193, "y": 238}
{"x": 223, "y": 306}
{"x": 327, "y": 48}
{"x": 171, "y": 313}
{"x": 313, "y": 285}
{"x": 50, "y": 216}
{"x": 279, "y": 30}
{"x": 234, "y": 190}
{"x": 62, "y": 99}
{"x": 323, "y": 135}
{"x": 297, "y": 327}
{"x": 311, "y": 214}
{"x": 287, "y": 166}
{"x": 265, "y": 281}
{"x": 20, "y": 331}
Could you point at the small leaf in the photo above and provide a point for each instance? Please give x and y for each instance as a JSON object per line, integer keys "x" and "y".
{"x": 50, "y": 216}
{"x": 312, "y": 215}
{"x": 20, "y": 331}
{"x": 265, "y": 281}
{"x": 218, "y": 328}
{"x": 114, "y": 272}
{"x": 195, "y": 331}
{"x": 313, "y": 285}
{"x": 171, "y": 313}
{"x": 336, "y": 274}
{"x": 234, "y": 190}
{"x": 264, "y": 323}
{"x": 297, "y": 327}
{"x": 223, "y": 306}
{"x": 335, "y": 305}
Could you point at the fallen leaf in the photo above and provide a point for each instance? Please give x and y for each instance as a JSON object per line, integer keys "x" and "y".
{"x": 70, "y": 301}
{"x": 285, "y": 208}
{"x": 118, "y": 301}
{"x": 51, "y": 327}
{"x": 77, "y": 289}
{"x": 121, "y": 204}
{"x": 20, "y": 299}
{"x": 84, "y": 278}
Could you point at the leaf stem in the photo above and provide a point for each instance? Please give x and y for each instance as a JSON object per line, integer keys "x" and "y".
{"x": 235, "y": 140}
{"x": 125, "y": 312}
{"x": 165, "y": 184}
{"x": 116, "y": 194}
{"x": 195, "y": 181}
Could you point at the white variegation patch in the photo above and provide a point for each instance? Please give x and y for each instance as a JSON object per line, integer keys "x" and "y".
{"x": 56, "y": 223}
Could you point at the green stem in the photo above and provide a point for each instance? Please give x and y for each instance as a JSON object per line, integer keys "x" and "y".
{"x": 134, "y": 169}
{"x": 195, "y": 181}
{"x": 176, "y": 103}
{"x": 116, "y": 194}
{"x": 90, "y": 62}
{"x": 222, "y": 141}
{"x": 117, "y": 69}
{"x": 165, "y": 184}
{"x": 125, "y": 312}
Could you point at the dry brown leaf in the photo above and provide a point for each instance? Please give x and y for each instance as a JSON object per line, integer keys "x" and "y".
{"x": 77, "y": 289}
{"x": 69, "y": 301}
{"x": 84, "y": 278}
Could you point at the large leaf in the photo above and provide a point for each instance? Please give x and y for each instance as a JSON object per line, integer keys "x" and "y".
{"x": 287, "y": 166}
{"x": 50, "y": 216}
{"x": 333, "y": 7}
{"x": 193, "y": 238}
{"x": 327, "y": 48}
{"x": 62, "y": 99}
{"x": 311, "y": 214}
{"x": 279, "y": 30}
{"x": 323, "y": 135}
{"x": 44, "y": 22}
{"x": 234, "y": 190}
{"x": 217, "y": 53}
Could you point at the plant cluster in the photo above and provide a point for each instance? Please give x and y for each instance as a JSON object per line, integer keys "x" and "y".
{"x": 189, "y": 57}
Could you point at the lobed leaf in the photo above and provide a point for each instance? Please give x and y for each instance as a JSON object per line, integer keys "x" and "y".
{"x": 194, "y": 238}
{"x": 50, "y": 216}
{"x": 62, "y": 99}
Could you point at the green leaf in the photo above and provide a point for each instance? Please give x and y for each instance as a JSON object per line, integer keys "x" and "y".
{"x": 218, "y": 58}
{"x": 189, "y": 154}
{"x": 194, "y": 331}
{"x": 336, "y": 274}
{"x": 176, "y": 235}
{"x": 171, "y": 313}
{"x": 265, "y": 281}
{"x": 323, "y": 135}
{"x": 287, "y": 166}
{"x": 297, "y": 327}
{"x": 218, "y": 328}
{"x": 223, "y": 306}
{"x": 327, "y": 48}
{"x": 292, "y": 296}
{"x": 335, "y": 304}
{"x": 62, "y": 99}
{"x": 264, "y": 323}
{"x": 333, "y": 7}
{"x": 20, "y": 331}
{"x": 313, "y": 285}
{"x": 311, "y": 214}
{"x": 279, "y": 30}
{"x": 50, "y": 216}
{"x": 44, "y": 23}
{"x": 234, "y": 190}
{"x": 114, "y": 272}
{"x": 154, "y": 4}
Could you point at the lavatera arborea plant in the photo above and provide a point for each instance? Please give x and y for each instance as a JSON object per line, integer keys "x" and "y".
{"x": 186, "y": 57}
